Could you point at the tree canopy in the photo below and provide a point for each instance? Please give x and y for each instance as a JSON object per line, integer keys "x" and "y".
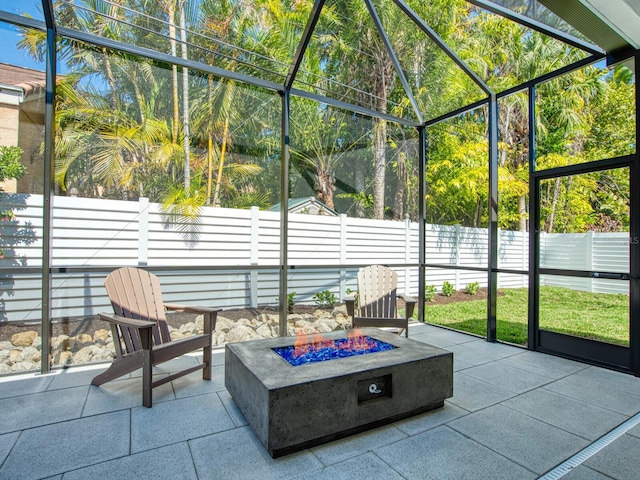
{"x": 128, "y": 126}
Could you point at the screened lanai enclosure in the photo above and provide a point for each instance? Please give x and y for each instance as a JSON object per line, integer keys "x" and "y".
{"x": 255, "y": 154}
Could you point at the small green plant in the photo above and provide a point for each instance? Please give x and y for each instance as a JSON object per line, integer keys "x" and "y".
{"x": 10, "y": 168}
{"x": 429, "y": 293}
{"x": 472, "y": 288}
{"x": 290, "y": 301}
{"x": 325, "y": 298}
{"x": 352, "y": 293}
{"x": 447, "y": 289}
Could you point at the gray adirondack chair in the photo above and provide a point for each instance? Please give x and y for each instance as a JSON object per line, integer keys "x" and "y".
{"x": 377, "y": 300}
{"x": 140, "y": 331}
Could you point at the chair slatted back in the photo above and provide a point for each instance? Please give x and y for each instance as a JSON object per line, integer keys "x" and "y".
{"x": 136, "y": 293}
{"x": 377, "y": 290}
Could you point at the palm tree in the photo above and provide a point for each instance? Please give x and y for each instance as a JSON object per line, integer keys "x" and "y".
{"x": 185, "y": 97}
{"x": 169, "y": 8}
{"x": 119, "y": 150}
{"x": 359, "y": 58}
{"x": 216, "y": 114}
{"x": 322, "y": 141}
{"x": 108, "y": 139}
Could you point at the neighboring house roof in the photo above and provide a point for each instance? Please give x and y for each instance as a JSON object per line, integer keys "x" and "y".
{"x": 310, "y": 205}
{"x": 29, "y": 80}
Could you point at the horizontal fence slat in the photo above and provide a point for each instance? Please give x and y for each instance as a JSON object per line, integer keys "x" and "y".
{"x": 105, "y": 233}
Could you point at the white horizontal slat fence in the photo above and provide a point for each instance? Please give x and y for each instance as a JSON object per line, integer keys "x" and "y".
{"x": 590, "y": 251}
{"x": 513, "y": 254}
{"x": 107, "y": 233}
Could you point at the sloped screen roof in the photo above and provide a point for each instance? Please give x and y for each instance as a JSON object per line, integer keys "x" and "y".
{"x": 422, "y": 58}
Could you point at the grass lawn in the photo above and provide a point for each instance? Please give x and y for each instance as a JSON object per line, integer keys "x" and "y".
{"x": 598, "y": 316}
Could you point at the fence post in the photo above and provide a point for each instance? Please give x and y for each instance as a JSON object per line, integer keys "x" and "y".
{"x": 590, "y": 257}
{"x": 343, "y": 255}
{"x": 407, "y": 256}
{"x": 456, "y": 280}
{"x": 427, "y": 273}
{"x": 542, "y": 245}
{"x": 525, "y": 260}
{"x": 143, "y": 231}
{"x": 254, "y": 255}
{"x": 498, "y": 262}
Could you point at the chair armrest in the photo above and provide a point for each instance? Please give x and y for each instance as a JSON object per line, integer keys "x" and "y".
{"x": 126, "y": 322}
{"x": 410, "y": 305}
{"x": 188, "y": 308}
{"x": 350, "y": 303}
{"x": 144, "y": 328}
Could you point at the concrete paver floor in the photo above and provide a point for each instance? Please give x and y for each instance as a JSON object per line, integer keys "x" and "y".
{"x": 515, "y": 414}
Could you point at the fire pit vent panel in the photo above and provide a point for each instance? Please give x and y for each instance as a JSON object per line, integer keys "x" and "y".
{"x": 292, "y": 408}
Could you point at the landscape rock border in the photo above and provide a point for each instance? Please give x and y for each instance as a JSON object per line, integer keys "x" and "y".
{"x": 23, "y": 352}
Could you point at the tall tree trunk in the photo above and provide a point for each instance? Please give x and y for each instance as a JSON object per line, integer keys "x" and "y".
{"x": 554, "y": 203}
{"x": 325, "y": 186}
{"x": 359, "y": 185}
{"x": 171, "y": 12}
{"x": 109, "y": 71}
{"x": 477, "y": 215}
{"x": 169, "y": 7}
{"x": 185, "y": 101}
{"x": 522, "y": 213}
{"x": 382, "y": 75}
{"x": 110, "y": 79}
{"x": 379, "y": 164}
{"x": 566, "y": 203}
{"x": 512, "y": 122}
{"x": 223, "y": 150}
{"x": 210, "y": 164}
{"x": 139, "y": 98}
{"x": 210, "y": 140}
{"x": 401, "y": 186}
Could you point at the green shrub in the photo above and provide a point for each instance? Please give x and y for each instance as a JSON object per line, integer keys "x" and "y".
{"x": 429, "y": 293}
{"x": 447, "y": 289}
{"x": 10, "y": 166}
{"x": 352, "y": 293}
{"x": 472, "y": 288}
{"x": 290, "y": 301}
{"x": 325, "y": 298}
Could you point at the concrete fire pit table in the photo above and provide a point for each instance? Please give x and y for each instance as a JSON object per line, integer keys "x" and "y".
{"x": 291, "y": 408}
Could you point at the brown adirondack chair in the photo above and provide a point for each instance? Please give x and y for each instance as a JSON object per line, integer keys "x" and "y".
{"x": 140, "y": 331}
{"x": 377, "y": 300}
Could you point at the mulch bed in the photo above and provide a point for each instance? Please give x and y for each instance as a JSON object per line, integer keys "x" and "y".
{"x": 459, "y": 296}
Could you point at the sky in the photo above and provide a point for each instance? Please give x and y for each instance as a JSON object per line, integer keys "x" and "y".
{"x": 9, "y": 35}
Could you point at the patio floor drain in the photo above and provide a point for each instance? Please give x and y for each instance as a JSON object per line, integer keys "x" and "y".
{"x": 588, "y": 452}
